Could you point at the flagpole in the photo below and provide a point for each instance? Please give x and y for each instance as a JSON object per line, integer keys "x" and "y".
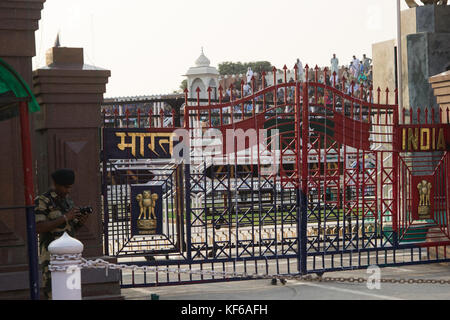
{"x": 399, "y": 57}
{"x": 33, "y": 270}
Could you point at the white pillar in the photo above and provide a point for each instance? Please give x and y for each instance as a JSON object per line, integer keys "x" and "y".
{"x": 66, "y": 252}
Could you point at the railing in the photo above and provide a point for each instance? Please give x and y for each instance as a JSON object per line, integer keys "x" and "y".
{"x": 425, "y": 116}
{"x": 140, "y": 119}
{"x": 272, "y": 97}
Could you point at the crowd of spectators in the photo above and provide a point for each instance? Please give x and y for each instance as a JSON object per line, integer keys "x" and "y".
{"x": 357, "y": 75}
{"x": 357, "y": 72}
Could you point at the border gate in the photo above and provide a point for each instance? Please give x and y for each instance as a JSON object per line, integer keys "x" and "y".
{"x": 295, "y": 178}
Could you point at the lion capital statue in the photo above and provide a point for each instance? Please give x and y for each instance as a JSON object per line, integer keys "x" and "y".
{"x": 147, "y": 203}
{"x": 424, "y": 188}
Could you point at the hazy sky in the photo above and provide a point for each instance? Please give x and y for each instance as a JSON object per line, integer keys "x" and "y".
{"x": 148, "y": 45}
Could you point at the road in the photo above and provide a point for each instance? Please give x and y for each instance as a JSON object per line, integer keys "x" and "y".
{"x": 302, "y": 290}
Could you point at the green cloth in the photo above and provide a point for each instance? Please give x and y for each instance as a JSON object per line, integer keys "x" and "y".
{"x": 12, "y": 85}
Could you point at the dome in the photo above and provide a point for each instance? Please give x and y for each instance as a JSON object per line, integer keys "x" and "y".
{"x": 202, "y": 61}
{"x": 65, "y": 245}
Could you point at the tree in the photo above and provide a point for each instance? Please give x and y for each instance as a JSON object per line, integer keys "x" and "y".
{"x": 183, "y": 85}
{"x": 229, "y": 68}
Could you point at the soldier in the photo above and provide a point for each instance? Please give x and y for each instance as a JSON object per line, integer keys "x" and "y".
{"x": 55, "y": 214}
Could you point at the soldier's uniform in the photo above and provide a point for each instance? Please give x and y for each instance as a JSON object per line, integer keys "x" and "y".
{"x": 50, "y": 206}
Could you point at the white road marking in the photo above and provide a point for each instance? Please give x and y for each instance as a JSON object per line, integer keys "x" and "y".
{"x": 223, "y": 288}
{"x": 148, "y": 291}
{"x": 400, "y": 269}
{"x": 145, "y": 291}
{"x": 349, "y": 291}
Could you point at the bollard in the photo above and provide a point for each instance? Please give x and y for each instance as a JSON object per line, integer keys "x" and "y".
{"x": 66, "y": 285}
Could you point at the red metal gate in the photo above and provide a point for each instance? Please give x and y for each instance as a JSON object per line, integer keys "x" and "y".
{"x": 322, "y": 175}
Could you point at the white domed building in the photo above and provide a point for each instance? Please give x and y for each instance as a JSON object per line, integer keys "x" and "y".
{"x": 202, "y": 76}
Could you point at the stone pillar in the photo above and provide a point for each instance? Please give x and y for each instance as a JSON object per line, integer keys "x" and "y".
{"x": 70, "y": 94}
{"x": 18, "y": 23}
{"x": 426, "y": 52}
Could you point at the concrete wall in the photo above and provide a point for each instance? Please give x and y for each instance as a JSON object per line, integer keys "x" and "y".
{"x": 384, "y": 67}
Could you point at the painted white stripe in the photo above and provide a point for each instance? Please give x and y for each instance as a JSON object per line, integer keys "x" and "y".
{"x": 148, "y": 291}
{"x": 349, "y": 291}
{"x": 144, "y": 291}
{"x": 400, "y": 269}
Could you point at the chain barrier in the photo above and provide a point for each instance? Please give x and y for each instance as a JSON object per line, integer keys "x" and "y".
{"x": 102, "y": 264}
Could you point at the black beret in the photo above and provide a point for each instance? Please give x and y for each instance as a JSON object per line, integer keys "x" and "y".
{"x": 64, "y": 177}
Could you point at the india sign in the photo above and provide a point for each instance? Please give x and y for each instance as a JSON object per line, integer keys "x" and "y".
{"x": 424, "y": 138}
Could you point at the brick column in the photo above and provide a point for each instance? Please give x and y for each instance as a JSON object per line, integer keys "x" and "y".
{"x": 19, "y": 19}
{"x": 67, "y": 129}
{"x": 70, "y": 94}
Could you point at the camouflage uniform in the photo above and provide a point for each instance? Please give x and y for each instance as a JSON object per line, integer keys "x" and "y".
{"x": 50, "y": 206}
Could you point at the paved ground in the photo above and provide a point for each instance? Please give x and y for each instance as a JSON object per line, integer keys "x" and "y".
{"x": 295, "y": 290}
